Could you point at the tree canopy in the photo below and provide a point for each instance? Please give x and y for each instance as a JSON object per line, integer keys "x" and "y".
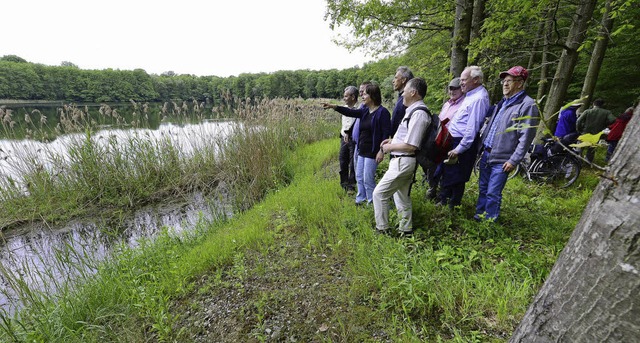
{"x": 500, "y": 34}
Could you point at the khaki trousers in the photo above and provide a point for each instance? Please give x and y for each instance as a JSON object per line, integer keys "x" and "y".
{"x": 396, "y": 182}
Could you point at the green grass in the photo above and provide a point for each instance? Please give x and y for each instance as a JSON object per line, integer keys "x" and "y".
{"x": 304, "y": 263}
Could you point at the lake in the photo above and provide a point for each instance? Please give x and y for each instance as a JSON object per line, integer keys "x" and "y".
{"x": 45, "y": 257}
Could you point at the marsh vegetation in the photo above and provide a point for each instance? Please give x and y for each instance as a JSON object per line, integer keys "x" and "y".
{"x": 300, "y": 262}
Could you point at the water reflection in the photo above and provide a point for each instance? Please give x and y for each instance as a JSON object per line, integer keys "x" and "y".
{"x": 17, "y": 157}
{"x": 45, "y": 257}
{"x": 47, "y": 120}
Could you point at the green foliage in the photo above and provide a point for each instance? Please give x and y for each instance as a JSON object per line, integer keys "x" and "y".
{"x": 455, "y": 281}
{"x": 616, "y": 83}
{"x": 13, "y": 58}
{"x": 419, "y": 33}
{"x": 28, "y": 81}
{"x": 388, "y": 27}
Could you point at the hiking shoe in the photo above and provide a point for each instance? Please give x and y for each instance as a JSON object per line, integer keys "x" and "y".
{"x": 382, "y": 232}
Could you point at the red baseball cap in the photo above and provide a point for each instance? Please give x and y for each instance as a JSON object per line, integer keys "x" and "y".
{"x": 516, "y": 71}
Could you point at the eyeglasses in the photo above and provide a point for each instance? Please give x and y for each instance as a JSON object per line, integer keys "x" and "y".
{"x": 453, "y": 88}
{"x": 508, "y": 82}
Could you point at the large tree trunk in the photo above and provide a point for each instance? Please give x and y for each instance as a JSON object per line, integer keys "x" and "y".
{"x": 597, "y": 57}
{"x": 593, "y": 291}
{"x": 461, "y": 36}
{"x": 568, "y": 60}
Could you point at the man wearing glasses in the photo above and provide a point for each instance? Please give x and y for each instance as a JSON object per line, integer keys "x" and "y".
{"x": 502, "y": 150}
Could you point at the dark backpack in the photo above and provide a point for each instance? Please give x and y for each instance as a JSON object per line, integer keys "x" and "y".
{"x": 430, "y": 149}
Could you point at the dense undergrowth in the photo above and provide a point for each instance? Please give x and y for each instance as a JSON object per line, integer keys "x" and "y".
{"x": 305, "y": 265}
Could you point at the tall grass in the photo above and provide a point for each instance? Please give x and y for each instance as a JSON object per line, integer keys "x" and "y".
{"x": 455, "y": 281}
{"x": 102, "y": 172}
{"x": 133, "y": 291}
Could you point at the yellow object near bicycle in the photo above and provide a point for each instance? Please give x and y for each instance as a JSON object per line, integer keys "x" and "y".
{"x": 587, "y": 140}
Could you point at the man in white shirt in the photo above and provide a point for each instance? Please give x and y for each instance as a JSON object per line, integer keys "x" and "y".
{"x": 397, "y": 180}
{"x": 464, "y": 128}
{"x": 347, "y": 144}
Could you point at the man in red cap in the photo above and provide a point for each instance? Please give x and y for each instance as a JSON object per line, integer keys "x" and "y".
{"x": 503, "y": 150}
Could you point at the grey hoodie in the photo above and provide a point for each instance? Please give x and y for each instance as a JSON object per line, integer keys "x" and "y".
{"x": 513, "y": 145}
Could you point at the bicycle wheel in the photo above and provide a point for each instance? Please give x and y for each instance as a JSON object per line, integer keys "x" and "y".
{"x": 559, "y": 170}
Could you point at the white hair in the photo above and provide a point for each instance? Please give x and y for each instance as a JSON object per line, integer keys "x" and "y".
{"x": 352, "y": 90}
{"x": 475, "y": 71}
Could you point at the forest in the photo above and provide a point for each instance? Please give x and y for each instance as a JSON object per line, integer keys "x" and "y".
{"x": 571, "y": 48}
{"x": 22, "y": 80}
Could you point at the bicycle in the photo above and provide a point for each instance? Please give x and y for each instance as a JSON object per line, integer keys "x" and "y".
{"x": 545, "y": 163}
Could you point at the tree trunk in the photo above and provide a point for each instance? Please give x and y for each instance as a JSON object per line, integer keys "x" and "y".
{"x": 544, "y": 63}
{"x": 536, "y": 45}
{"x": 477, "y": 18}
{"x": 597, "y": 57}
{"x": 592, "y": 292}
{"x": 461, "y": 36}
{"x": 568, "y": 60}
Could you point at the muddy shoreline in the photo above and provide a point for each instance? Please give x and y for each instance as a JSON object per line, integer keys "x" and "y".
{"x": 31, "y": 251}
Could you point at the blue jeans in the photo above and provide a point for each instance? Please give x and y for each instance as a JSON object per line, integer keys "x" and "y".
{"x": 610, "y": 150}
{"x": 491, "y": 183}
{"x": 365, "y": 178}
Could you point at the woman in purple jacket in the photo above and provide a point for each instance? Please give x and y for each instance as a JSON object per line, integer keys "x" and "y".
{"x": 375, "y": 126}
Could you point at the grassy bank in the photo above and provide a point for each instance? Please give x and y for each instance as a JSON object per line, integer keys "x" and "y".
{"x": 304, "y": 265}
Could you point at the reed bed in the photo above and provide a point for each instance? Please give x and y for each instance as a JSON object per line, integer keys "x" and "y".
{"x": 99, "y": 173}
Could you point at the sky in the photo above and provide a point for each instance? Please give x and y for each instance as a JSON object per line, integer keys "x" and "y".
{"x": 199, "y": 37}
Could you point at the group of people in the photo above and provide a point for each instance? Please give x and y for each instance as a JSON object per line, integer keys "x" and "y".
{"x": 595, "y": 121}
{"x": 500, "y": 134}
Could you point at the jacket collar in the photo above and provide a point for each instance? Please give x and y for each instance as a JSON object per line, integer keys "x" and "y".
{"x": 518, "y": 99}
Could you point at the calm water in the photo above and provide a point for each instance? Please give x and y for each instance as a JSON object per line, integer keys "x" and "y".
{"x": 44, "y": 122}
{"x": 17, "y": 155}
{"x": 45, "y": 257}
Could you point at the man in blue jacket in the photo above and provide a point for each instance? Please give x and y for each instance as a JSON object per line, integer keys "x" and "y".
{"x": 505, "y": 140}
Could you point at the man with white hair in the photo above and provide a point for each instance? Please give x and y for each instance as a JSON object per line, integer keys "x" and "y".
{"x": 464, "y": 128}
{"x": 400, "y": 79}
